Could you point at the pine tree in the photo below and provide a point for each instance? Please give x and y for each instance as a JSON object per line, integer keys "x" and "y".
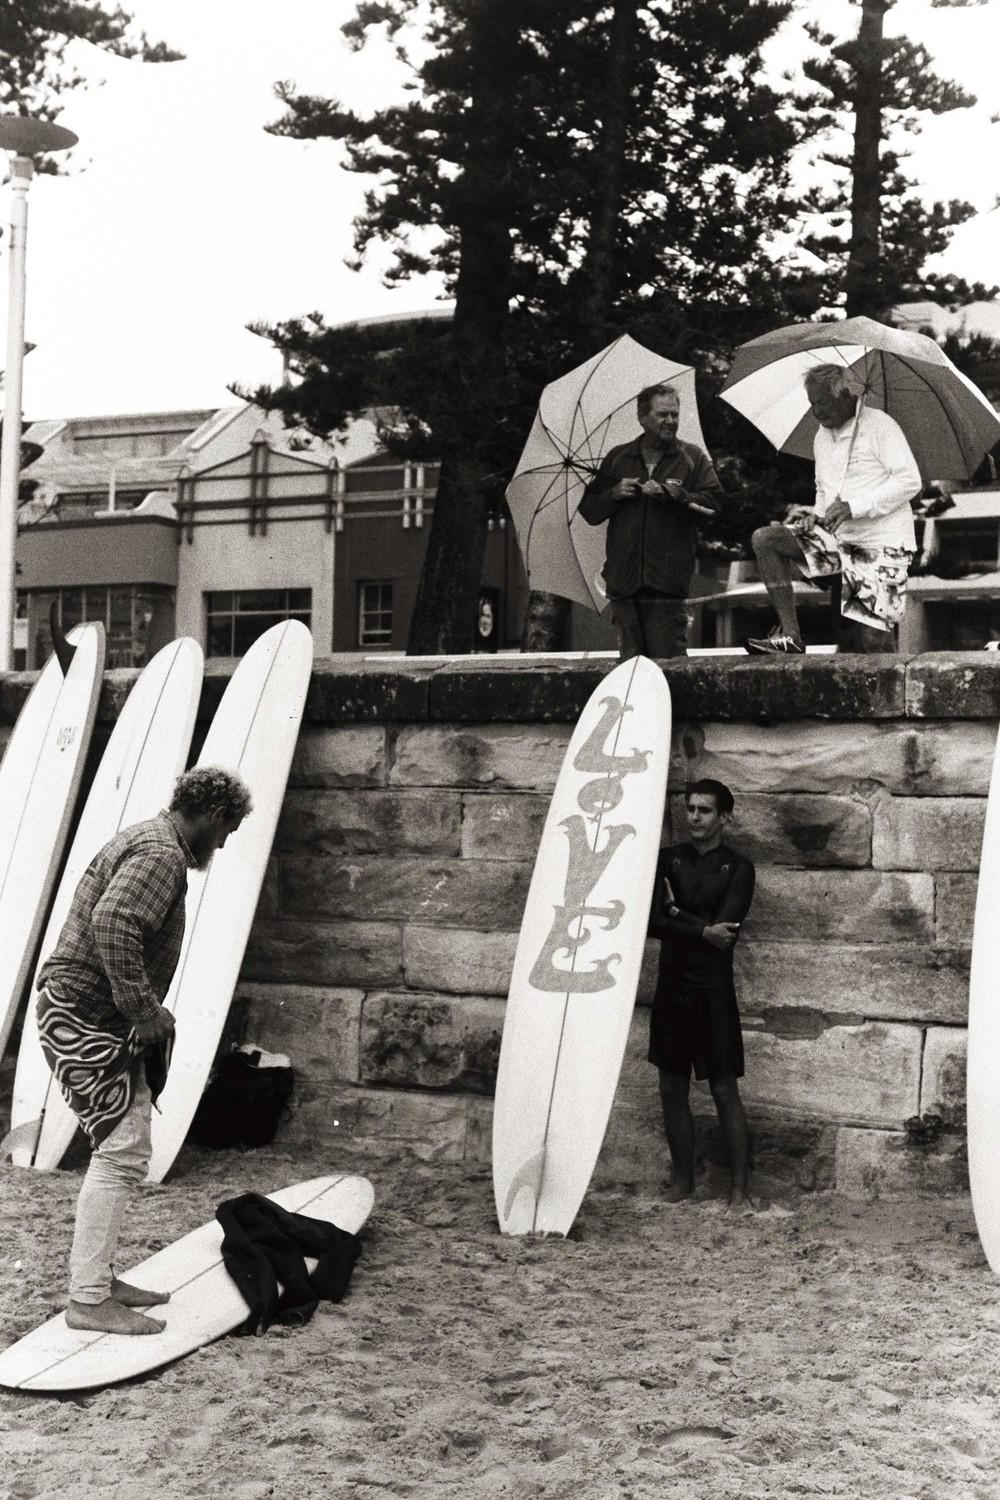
{"x": 561, "y": 207}
{"x": 880, "y": 232}
{"x": 34, "y": 36}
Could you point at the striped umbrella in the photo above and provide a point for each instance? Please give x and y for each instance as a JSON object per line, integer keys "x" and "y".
{"x": 948, "y": 422}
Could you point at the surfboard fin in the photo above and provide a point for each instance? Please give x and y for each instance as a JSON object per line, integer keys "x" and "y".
{"x": 528, "y": 1175}
{"x": 64, "y": 651}
{"x": 25, "y": 1134}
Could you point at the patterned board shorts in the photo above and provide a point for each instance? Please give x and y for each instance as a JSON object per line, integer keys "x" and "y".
{"x": 96, "y": 1069}
{"x": 874, "y": 578}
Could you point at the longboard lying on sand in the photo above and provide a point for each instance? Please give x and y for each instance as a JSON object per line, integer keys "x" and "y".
{"x": 146, "y": 752}
{"x": 983, "y": 1068}
{"x": 39, "y": 780}
{"x": 576, "y": 967}
{"x": 204, "y": 1301}
{"x": 253, "y": 732}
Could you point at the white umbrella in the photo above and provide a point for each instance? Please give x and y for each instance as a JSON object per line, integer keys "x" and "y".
{"x": 580, "y": 417}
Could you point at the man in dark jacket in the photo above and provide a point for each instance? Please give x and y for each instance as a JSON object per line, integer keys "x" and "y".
{"x": 651, "y": 491}
{"x": 702, "y": 894}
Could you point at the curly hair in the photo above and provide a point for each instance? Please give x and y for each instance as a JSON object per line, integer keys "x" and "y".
{"x": 207, "y": 788}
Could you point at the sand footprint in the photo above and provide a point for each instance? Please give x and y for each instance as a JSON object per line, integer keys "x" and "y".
{"x": 675, "y": 1436}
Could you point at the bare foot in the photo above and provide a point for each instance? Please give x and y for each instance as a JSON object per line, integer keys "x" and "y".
{"x": 136, "y": 1296}
{"x": 110, "y": 1316}
{"x": 679, "y": 1192}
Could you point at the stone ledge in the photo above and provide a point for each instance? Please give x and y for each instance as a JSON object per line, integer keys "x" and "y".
{"x": 345, "y": 689}
{"x": 514, "y": 689}
{"x": 350, "y": 689}
{"x": 517, "y": 690}
{"x": 953, "y": 685}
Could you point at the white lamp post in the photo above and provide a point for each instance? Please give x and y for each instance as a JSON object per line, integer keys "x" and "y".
{"x": 24, "y": 139}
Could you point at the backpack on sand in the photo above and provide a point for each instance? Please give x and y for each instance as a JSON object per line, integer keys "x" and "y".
{"x": 245, "y": 1101}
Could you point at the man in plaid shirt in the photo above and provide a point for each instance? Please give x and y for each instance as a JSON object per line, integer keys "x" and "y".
{"x": 103, "y": 1027}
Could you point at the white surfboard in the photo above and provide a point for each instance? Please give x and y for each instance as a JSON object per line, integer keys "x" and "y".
{"x": 576, "y": 968}
{"x": 39, "y": 780}
{"x": 983, "y": 1067}
{"x": 146, "y": 752}
{"x": 253, "y": 732}
{"x": 204, "y": 1301}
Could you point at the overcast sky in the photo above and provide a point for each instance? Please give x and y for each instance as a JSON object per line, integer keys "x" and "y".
{"x": 183, "y": 220}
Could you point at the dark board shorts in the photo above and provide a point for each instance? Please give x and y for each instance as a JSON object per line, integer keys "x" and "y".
{"x": 696, "y": 1028}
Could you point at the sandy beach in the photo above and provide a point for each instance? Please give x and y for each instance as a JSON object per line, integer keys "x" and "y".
{"x": 822, "y": 1347}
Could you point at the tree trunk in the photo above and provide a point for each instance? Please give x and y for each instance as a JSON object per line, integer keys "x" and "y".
{"x": 444, "y": 614}
{"x": 546, "y": 620}
{"x": 444, "y": 617}
{"x": 609, "y": 176}
{"x": 863, "y": 280}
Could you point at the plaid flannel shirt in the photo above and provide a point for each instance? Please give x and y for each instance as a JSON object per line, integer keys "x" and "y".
{"x": 121, "y": 940}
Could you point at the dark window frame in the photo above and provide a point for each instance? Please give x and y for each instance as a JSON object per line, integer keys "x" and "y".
{"x": 380, "y": 635}
{"x": 279, "y": 606}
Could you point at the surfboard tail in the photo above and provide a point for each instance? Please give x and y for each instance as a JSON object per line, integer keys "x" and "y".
{"x": 62, "y": 647}
{"x": 23, "y": 1137}
{"x": 528, "y": 1175}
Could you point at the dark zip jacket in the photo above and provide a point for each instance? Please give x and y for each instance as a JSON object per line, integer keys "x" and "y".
{"x": 651, "y": 541}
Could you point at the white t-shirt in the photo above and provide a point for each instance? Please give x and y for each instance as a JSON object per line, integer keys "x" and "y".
{"x": 878, "y": 481}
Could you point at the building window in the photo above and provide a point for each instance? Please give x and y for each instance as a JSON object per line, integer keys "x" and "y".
{"x": 960, "y": 625}
{"x": 374, "y": 614}
{"x": 127, "y": 612}
{"x": 965, "y": 548}
{"x": 373, "y": 480}
{"x": 237, "y": 618}
{"x": 80, "y": 505}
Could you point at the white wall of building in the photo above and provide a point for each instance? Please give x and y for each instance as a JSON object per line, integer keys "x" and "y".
{"x": 292, "y": 555}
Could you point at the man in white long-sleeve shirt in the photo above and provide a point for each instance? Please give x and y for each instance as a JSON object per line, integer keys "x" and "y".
{"x": 860, "y": 527}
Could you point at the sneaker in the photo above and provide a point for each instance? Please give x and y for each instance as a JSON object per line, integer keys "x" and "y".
{"x": 775, "y": 644}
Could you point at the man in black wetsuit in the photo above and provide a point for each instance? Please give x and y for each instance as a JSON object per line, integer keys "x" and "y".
{"x": 702, "y": 894}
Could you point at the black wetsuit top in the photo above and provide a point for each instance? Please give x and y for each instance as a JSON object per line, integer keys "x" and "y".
{"x": 708, "y": 888}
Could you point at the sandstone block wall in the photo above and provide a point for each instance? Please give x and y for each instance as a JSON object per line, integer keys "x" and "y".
{"x": 383, "y": 944}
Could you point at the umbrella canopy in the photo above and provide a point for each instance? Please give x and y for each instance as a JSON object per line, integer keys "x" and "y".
{"x": 948, "y": 422}
{"x": 580, "y": 417}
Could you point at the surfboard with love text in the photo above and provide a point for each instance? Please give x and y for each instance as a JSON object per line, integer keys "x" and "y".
{"x": 580, "y": 949}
